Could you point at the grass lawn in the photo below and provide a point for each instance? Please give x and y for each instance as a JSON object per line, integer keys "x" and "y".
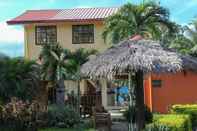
{"x": 65, "y": 129}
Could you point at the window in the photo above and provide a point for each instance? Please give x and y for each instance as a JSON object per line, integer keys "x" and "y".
{"x": 82, "y": 34}
{"x": 45, "y": 35}
{"x": 156, "y": 83}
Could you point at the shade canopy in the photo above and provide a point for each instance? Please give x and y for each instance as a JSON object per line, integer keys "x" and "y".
{"x": 135, "y": 55}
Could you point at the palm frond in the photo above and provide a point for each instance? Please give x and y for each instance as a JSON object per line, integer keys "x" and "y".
{"x": 146, "y": 18}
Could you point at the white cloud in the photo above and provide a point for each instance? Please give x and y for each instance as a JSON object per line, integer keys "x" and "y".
{"x": 9, "y": 34}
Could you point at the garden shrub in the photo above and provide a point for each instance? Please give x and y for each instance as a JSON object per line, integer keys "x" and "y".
{"x": 1, "y": 101}
{"x": 1, "y": 113}
{"x": 18, "y": 116}
{"x": 131, "y": 112}
{"x": 128, "y": 113}
{"x": 19, "y": 78}
{"x": 157, "y": 127}
{"x": 62, "y": 116}
{"x": 170, "y": 122}
{"x": 148, "y": 115}
{"x": 87, "y": 124}
{"x": 186, "y": 109}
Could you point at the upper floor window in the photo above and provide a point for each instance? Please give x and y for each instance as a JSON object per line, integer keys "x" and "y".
{"x": 46, "y": 35}
{"x": 83, "y": 34}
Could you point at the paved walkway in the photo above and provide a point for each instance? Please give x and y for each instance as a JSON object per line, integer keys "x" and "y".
{"x": 117, "y": 118}
{"x": 119, "y": 126}
{"x": 116, "y": 126}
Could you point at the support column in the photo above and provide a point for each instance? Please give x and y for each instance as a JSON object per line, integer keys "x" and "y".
{"x": 26, "y": 50}
{"x": 83, "y": 86}
{"x": 104, "y": 92}
{"x": 150, "y": 90}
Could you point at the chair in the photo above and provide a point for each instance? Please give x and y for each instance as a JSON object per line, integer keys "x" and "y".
{"x": 102, "y": 119}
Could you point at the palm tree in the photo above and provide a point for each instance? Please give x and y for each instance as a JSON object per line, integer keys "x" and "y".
{"x": 185, "y": 42}
{"x": 182, "y": 44}
{"x": 192, "y": 34}
{"x": 148, "y": 19}
{"x": 77, "y": 59}
{"x": 52, "y": 59}
{"x": 60, "y": 64}
{"x": 18, "y": 78}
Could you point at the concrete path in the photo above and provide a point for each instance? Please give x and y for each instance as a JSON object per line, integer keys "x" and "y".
{"x": 119, "y": 126}
{"x": 116, "y": 126}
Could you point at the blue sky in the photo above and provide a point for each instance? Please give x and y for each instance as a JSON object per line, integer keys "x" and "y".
{"x": 11, "y": 37}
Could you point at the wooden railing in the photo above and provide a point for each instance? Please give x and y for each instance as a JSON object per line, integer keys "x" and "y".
{"x": 88, "y": 102}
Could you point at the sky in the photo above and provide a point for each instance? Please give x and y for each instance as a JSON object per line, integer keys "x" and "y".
{"x": 11, "y": 37}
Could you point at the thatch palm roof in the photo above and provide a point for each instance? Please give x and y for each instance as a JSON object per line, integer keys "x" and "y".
{"x": 134, "y": 55}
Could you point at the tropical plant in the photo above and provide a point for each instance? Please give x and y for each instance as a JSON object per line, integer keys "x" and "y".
{"x": 131, "y": 112}
{"x": 52, "y": 59}
{"x": 62, "y": 116}
{"x": 189, "y": 109}
{"x": 78, "y": 58}
{"x": 53, "y": 68}
{"x": 157, "y": 127}
{"x": 18, "y": 115}
{"x": 185, "y": 42}
{"x": 148, "y": 19}
{"x": 192, "y": 34}
{"x": 18, "y": 78}
{"x": 60, "y": 64}
{"x": 181, "y": 44}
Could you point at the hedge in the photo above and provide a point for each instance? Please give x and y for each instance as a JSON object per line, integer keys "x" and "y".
{"x": 65, "y": 129}
{"x": 186, "y": 109}
{"x": 170, "y": 122}
{"x": 157, "y": 127}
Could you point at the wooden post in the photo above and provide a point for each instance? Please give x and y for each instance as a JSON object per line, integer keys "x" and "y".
{"x": 104, "y": 92}
{"x": 131, "y": 100}
{"x": 139, "y": 89}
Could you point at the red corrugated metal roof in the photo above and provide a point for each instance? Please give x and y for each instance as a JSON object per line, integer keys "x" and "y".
{"x": 77, "y": 14}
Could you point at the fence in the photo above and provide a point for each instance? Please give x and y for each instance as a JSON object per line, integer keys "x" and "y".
{"x": 88, "y": 102}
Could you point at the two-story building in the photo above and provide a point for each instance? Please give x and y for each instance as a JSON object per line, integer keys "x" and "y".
{"x": 71, "y": 28}
{"x": 82, "y": 28}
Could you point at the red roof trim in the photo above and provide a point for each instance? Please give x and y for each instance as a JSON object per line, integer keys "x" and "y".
{"x": 63, "y": 15}
{"x": 12, "y": 22}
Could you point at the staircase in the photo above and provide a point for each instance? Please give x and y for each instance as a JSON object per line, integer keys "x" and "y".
{"x": 116, "y": 113}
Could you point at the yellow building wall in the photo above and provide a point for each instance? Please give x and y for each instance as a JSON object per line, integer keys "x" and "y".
{"x": 64, "y": 37}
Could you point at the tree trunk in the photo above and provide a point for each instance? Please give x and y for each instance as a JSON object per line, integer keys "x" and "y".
{"x": 42, "y": 96}
{"x": 60, "y": 93}
{"x": 78, "y": 97}
{"x": 139, "y": 91}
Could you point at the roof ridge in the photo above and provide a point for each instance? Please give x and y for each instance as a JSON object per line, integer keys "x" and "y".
{"x": 44, "y": 10}
{"x": 93, "y": 7}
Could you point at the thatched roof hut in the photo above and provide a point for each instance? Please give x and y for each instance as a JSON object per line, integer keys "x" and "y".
{"x": 134, "y": 55}
{"x": 138, "y": 56}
